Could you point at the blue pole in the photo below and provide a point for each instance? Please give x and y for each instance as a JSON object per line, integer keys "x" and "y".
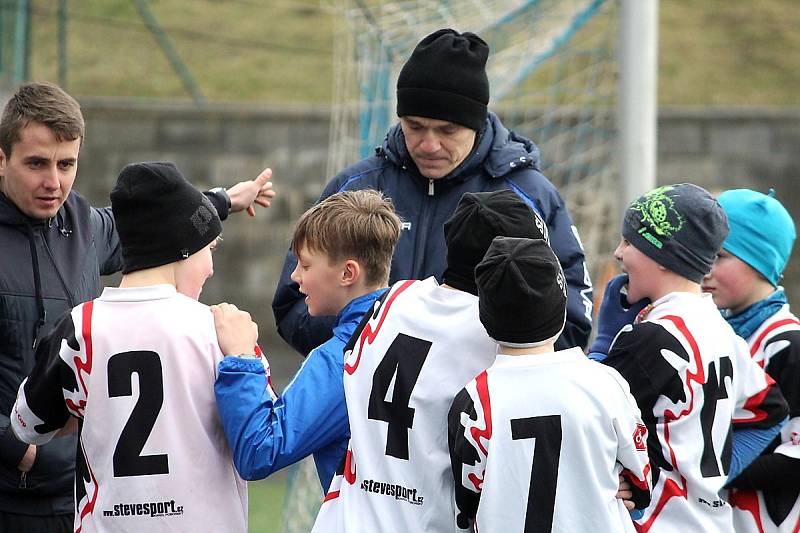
{"x": 20, "y": 62}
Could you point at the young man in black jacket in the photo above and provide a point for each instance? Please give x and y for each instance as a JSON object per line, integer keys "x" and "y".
{"x": 54, "y": 248}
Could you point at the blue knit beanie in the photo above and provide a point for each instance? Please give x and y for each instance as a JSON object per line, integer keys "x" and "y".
{"x": 762, "y": 232}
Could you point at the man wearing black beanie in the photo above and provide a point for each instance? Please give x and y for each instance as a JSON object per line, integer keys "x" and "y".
{"x": 447, "y": 144}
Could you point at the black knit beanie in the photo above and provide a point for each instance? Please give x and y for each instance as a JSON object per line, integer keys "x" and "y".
{"x": 445, "y": 79}
{"x": 480, "y": 217}
{"x": 160, "y": 217}
{"x": 681, "y": 227}
{"x": 522, "y": 292}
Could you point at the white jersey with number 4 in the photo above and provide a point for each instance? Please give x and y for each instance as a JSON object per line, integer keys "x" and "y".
{"x": 403, "y": 367}
{"x": 137, "y": 367}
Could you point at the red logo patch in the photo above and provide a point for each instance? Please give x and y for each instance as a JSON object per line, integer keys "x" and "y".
{"x": 640, "y": 438}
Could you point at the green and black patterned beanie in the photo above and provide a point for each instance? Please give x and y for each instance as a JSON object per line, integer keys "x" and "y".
{"x": 681, "y": 227}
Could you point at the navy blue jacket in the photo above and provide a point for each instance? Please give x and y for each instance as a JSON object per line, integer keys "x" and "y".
{"x": 500, "y": 159}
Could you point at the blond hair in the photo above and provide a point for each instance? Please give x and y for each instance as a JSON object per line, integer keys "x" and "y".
{"x": 360, "y": 225}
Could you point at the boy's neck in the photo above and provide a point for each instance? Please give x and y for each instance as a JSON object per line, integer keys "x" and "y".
{"x": 161, "y": 275}
{"x": 358, "y": 290}
{"x": 671, "y": 282}
{"x": 537, "y": 350}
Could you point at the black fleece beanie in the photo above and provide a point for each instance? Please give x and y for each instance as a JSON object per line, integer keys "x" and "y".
{"x": 160, "y": 217}
{"x": 445, "y": 79}
{"x": 479, "y": 218}
{"x": 522, "y": 292}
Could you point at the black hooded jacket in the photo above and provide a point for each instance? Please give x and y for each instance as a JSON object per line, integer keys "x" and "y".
{"x": 46, "y": 268}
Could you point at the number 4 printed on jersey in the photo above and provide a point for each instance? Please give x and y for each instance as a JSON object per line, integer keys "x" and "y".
{"x": 398, "y": 371}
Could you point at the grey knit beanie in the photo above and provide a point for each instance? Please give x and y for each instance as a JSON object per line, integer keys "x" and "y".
{"x": 681, "y": 227}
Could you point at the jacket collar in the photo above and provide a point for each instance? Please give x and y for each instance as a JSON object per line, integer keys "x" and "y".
{"x": 11, "y": 215}
{"x": 498, "y": 150}
{"x": 352, "y": 312}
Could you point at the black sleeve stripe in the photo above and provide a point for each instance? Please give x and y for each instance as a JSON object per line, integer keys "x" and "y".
{"x": 50, "y": 375}
{"x": 636, "y": 354}
{"x": 461, "y": 452}
{"x": 784, "y": 367}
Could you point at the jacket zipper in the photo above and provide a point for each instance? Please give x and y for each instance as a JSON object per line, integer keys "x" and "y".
{"x": 58, "y": 272}
{"x": 422, "y": 241}
{"x": 23, "y": 480}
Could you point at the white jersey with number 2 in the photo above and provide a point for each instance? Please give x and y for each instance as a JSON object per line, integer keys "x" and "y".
{"x": 137, "y": 367}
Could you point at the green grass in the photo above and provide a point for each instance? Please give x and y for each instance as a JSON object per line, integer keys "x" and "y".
{"x": 714, "y": 52}
{"x": 266, "y": 503}
{"x": 720, "y": 52}
{"x": 277, "y": 50}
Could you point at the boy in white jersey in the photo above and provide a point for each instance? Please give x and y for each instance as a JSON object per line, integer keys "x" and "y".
{"x": 540, "y": 430}
{"x": 136, "y": 368}
{"x": 692, "y": 377}
{"x": 744, "y": 283}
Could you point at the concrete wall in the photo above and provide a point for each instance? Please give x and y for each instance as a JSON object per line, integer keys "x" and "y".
{"x": 218, "y": 145}
{"x": 731, "y": 148}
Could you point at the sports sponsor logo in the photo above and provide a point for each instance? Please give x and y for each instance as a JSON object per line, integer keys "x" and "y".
{"x": 639, "y": 438}
{"x": 399, "y": 492}
{"x": 19, "y": 418}
{"x": 715, "y": 503}
{"x": 151, "y": 509}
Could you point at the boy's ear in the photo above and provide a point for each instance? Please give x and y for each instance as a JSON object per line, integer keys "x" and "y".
{"x": 351, "y": 272}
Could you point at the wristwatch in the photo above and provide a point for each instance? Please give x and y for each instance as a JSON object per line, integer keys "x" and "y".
{"x": 224, "y": 192}
{"x": 244, "y": 355}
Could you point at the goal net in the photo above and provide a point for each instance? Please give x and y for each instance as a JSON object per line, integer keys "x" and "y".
{"x": 553, "y": 77}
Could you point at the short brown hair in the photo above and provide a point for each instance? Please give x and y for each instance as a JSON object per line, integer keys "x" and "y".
{"x": 46, "y": 104}
{"x": 361, "y": 225}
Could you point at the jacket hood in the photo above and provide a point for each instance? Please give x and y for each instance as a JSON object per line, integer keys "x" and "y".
{"x": 498, "y": 150}
{"x": 11, "y": 215}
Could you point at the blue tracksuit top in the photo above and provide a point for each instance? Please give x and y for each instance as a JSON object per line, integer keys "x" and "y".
{"x": 309, "y": 417}
{"x": 500, "y": 159}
